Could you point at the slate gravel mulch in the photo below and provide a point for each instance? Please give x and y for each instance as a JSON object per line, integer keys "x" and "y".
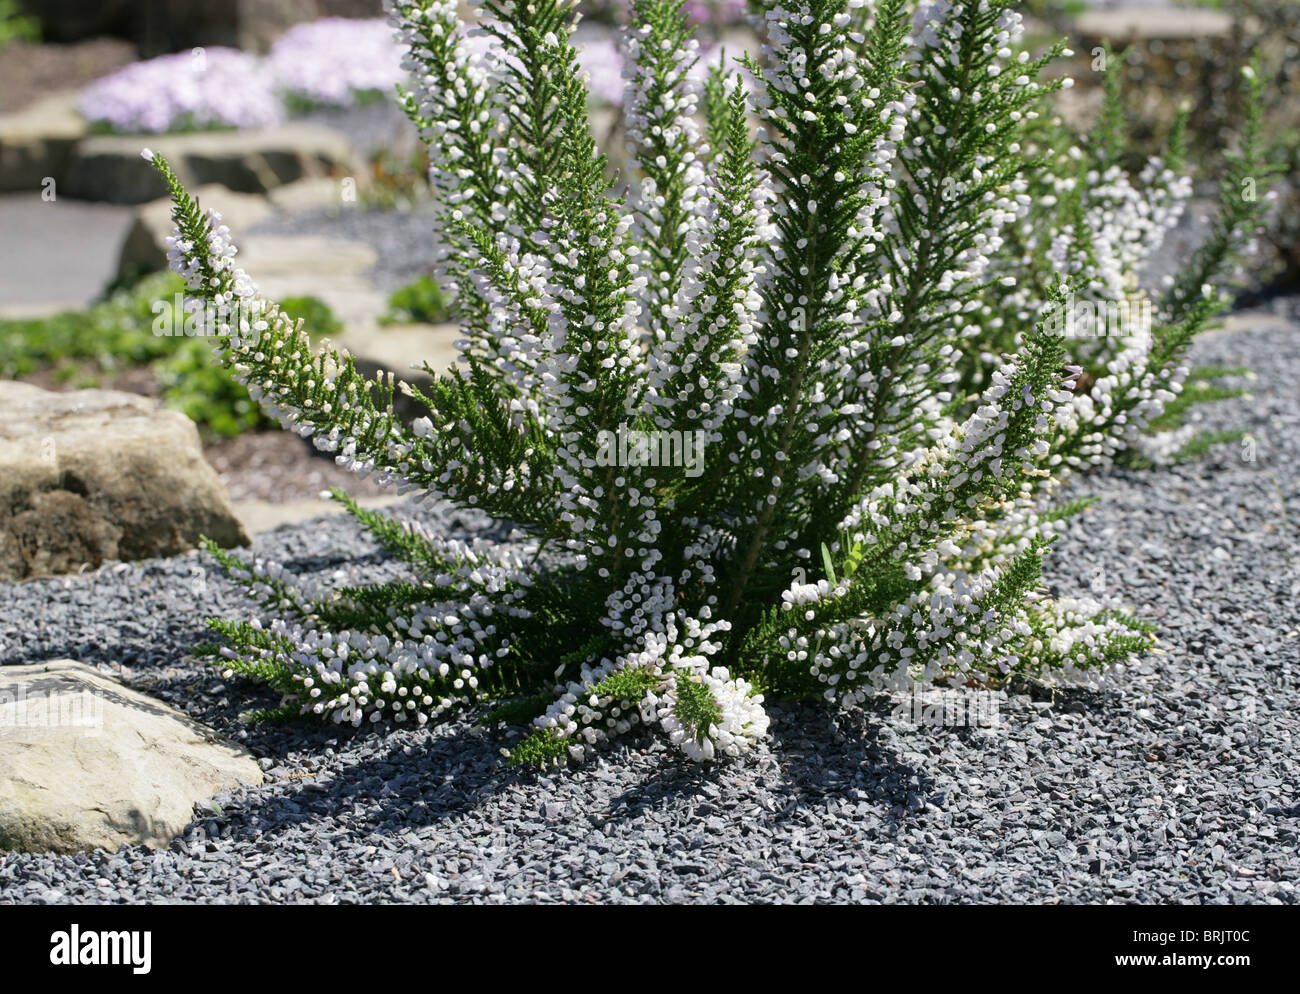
{"x": 1177, "y": 782}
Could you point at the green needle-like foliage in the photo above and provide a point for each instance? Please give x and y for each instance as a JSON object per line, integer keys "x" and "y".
{"x": 787, "y": 407}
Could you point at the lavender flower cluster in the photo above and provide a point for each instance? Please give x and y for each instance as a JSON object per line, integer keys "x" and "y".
{"x": 205, "y": 88}
{"x": 604, "y": 61}
{"x": 601, "y": 58}
{"x": 327, "y": 62}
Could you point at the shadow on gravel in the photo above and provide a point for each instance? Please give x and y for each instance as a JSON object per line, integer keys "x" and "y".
{"x": 409, "y": 785}
{"x": 1070, "y": 700}
{"x": 830, "y": 753}
{"x": 817, "y": 755}
{"x": 821, "y": 754}
{"x": 405, "y": 786}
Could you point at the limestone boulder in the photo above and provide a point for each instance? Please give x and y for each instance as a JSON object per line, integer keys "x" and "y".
{"x": 86, "y": 762}
{"x": 90, "y": 475}
{"x": 110, "y": 167}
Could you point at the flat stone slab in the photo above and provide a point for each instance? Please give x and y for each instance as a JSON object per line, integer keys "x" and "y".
{"x": 110, "y": 167}
{"x": 1153, "y": 23}
{"x": 90, "y": 475}
{"x": 264, "y": 516}
{"x": 56, "y": 255}
{"x": 329, "y": 269}
{"x": 38, "y": 142}
{"x": 394, "y": 348}
{"x": 266, "y": 257}
{"x": 313, "y": 193}
{"x": 1248, "y": 321}
{"x": 86, "y": 762}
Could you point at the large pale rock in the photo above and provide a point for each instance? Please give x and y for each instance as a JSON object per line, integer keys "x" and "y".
{"x": 38, "y": 142}
{"x": 267, "y": 256}
{"x": 144, "y": 250}
{"x": 110, "y": 167}
{"x": 329, "y": 269}
{"x": 1128, "y": 24}
{"x": 91, "y": 475}
{"x": 86, "y": 762}
{"x": 396, "y": 346}
{"x": 312, "y": 194}
{"x": 264, "y": 515}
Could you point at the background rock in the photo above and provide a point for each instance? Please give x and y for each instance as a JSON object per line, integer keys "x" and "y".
{"x": 39, "y": 142}
{"x": 330, "y": 269}
{"x": 377, "y": 348}
{"x": 110, "y": 167}
{"x": 1123, "y": 25}
{"x": 313, "y": 193}
{"x": 92, "y": 475}
{"x": 86, "y": 762}
{"x": 158, "y": 26}
{"x": 56, "y": 255}
{"x": 145, "y": 247}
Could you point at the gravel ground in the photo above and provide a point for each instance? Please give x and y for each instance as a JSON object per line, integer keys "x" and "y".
{"x": 1176, "y": 783}
{"x": 279, "y": 466}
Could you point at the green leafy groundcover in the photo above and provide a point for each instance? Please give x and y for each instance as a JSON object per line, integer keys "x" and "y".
{"x": 89, "y": 348}
{"x": 419, "y": 302}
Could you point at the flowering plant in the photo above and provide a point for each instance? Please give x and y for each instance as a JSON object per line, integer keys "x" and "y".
{"x": 849, "y": 315}
{"x": 330, "y": 61}
{"x": 206, "y": 88}
{"x": 714, "y": 12}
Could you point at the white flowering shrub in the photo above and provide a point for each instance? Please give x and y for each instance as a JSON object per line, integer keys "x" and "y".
{"x": 776, "y": 413}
